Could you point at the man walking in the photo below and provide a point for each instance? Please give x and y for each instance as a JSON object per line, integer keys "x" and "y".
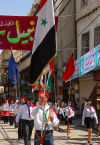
{"x": 20, "y": 127}
{"x": 50, "y": 120}
{"x": 27, "y": 120}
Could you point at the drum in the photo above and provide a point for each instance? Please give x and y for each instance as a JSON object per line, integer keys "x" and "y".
{"x": 6, "y": 113}
{"x": 11, "y": 113}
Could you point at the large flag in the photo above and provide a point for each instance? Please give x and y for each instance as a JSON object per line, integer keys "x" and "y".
{"x": 44, "y": 48}
{"x": 70, "y": 69}
{"x": 13, "y": 69}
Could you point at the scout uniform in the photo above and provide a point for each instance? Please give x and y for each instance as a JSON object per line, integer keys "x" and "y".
{"x": 69, "y": 114}
{"x": 16, "y": 107}
{"x": 20, "y": 127}
{"x": 48, "y": 126}
{"x": 11, "y": 109}
{"x": 27, "y": 120}
{"x": 6, "y": 108}
{"x": 88, "y": 114}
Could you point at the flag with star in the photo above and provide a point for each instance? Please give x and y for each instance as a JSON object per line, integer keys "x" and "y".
{"x": 44, "y": 48}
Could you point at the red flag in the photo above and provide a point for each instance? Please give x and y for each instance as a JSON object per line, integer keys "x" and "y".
{"x": 33, "y": 88}
{"x": 70, "y": 69}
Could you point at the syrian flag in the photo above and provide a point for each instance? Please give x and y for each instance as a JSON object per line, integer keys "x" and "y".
{"x": 69, "y": 70}
{"x": 44, "y": 48}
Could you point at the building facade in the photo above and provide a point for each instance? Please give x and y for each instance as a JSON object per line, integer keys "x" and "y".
{"x": 87, "y": 13}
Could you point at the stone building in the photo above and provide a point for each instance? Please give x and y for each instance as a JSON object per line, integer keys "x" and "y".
{"x": 65, "y": 34}
{"x": 86, "y": 12}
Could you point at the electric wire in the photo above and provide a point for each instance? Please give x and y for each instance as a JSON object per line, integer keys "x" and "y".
{"x": 78, "y": 35}
{"x": 65, "y": 25}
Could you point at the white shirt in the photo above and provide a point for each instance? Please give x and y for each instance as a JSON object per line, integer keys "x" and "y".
{"x": 23, "y": 113}
{"x": 16, "y": 107}
{"x": 50, "y": 103}
{"x": 87, "y": 113}
{"x": 11, "y": 108}
{"x": 6, "y": 106}
{"x": 37, "y": 112}
{"x": 1, "y": 107}
{"x": 59, "y": 110}
{"x": 66, "y": 110}
{"x": 85, "y": 104}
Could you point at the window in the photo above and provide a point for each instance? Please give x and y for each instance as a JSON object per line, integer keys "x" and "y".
{"x": 97, "y": 36}
{"x": 85, "y": 43}
{"x": 84, "y": 3}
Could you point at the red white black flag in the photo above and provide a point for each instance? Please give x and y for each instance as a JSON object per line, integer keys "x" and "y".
{"x": 44, "y": 48}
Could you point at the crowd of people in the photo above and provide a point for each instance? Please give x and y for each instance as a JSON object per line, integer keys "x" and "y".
{"x": 26, "y": 114}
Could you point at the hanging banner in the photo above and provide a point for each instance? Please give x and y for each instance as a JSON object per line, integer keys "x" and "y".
{"x": 87, "y": 62}
{"x": 18, "y": 32}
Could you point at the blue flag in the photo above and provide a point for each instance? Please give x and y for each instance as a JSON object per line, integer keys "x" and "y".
{"x": 13, "y": 69}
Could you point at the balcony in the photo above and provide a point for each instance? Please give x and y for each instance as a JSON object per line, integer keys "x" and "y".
{"x": 24, "y": 62}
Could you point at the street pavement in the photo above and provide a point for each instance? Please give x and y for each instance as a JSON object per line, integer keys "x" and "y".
{"x": 78, "y": 135}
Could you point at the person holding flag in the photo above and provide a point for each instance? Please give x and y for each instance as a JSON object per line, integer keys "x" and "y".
{"x": 42, "y": 62}
{"x": 50, "y": 121}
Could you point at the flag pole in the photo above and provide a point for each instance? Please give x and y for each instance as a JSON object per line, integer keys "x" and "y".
{"x": 33, "y": 96}
{"x": 54, "y": 88}
{"x": 70, "y": 90}
{"x": 43, "y": 107}
{"x": 14, "y": 75}
{"x": 19, "y": 85}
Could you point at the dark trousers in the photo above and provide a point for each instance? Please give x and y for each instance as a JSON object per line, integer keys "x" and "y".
{"x": 20, "y": 129}
{"x": 11, "y": 119}
{"x": 27, "y": 128}
{"x": 48, "y": 139}
{"x": 5, "y": 118}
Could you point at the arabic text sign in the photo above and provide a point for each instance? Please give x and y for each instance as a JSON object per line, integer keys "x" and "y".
{"x": 87, "y": 62}
{"x": 18, "y": 32}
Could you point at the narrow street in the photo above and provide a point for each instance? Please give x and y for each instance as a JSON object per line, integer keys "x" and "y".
{"x": 78, "y": 136}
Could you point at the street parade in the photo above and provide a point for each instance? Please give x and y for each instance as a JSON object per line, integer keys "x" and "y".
{"x": 50, "y": 72}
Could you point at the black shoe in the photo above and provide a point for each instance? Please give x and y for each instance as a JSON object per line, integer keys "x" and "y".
{"x": 22, "y": 137}
{"x": 96, "y": 135}
{"x": 19, "y": 138}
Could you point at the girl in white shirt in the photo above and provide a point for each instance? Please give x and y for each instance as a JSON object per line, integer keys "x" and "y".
{"x": 88, "y": 114}
{"x": 59, "y": 111}
{"x": 69, "y": 114}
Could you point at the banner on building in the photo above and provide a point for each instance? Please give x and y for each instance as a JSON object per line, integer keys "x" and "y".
{"x": 87, "y": 62}
{"x": 18, "y": 32}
